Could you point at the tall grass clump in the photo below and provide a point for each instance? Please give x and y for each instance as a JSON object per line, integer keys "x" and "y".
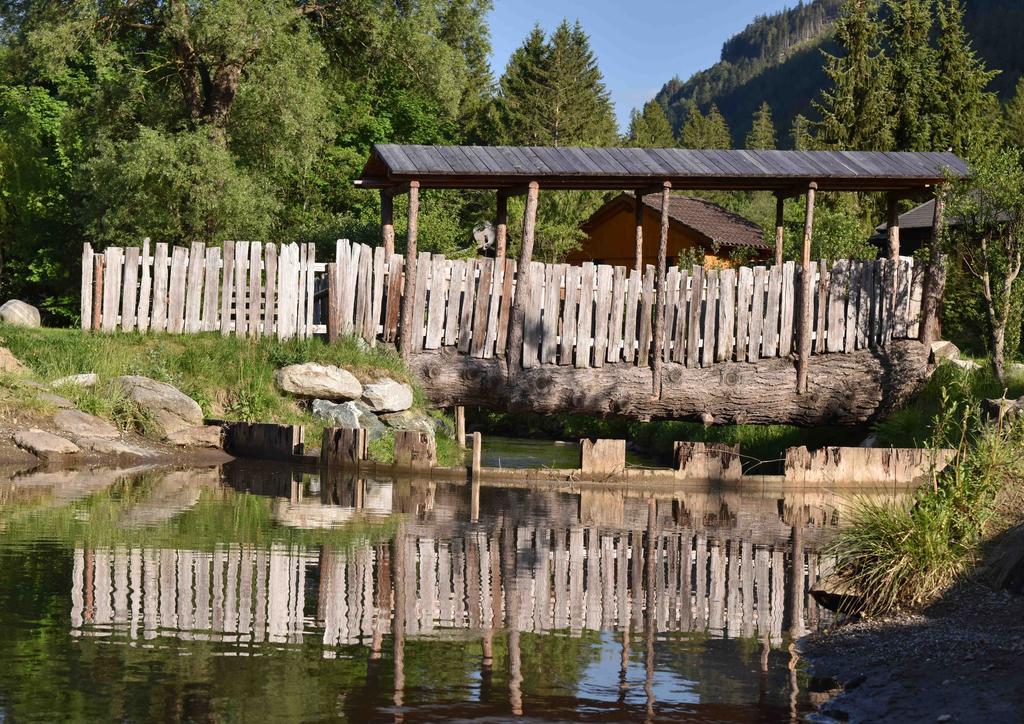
{"x": 897, "y": 555}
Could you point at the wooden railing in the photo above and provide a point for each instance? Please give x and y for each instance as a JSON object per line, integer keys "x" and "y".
{"x": 587, "y": 316}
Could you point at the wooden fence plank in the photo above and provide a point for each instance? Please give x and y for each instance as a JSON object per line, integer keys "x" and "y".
{"x": 468, "y": 307}
{"x": 423, "y": 269}
{"x": 130, "y": 295}
{"x": 482, "y": 311}
{"x": 617, "y": 315}
{"x": 310, "y": 287}
{"x": 585, "y": 317}
{"x": 867, "y": 295}
{"x": 772, "y": 313}
{"x": 532, "y": 331}
{"x": 253, "y": 320}
{"x": 240, "y": 298}
{"x": 98, "y": 273}
{"x": 914, "y": 306}
{"x": 270, "y": 252}
{"x": 145, "y": 288}
{"x": 646, "y": 318}
{"x": 693, "y": 322}
{"x": 634, "y": 284}
{"x": 682, "y": 318}
{"x": 86, "y": 289}
{"x": 572, "y": 295}
{"x": 726, "y": 315}
{"x": 158, "y": 320}
{"x": 671, "y": 308}
{"x": 757, "y": 314}
{"x": 285, "y": 304}
{"x": 888, "y": 299}
{"x": 394, "y": 301}
{"x": 602, "y": 309}
{"x": 837, "y": 292}
{"x": 456, "y": 290}
{"x": 902, "y": 270}
{"x": 113, "y": 269}
{"x": 553, "y": 275}
{"x": 439, "y": 271}
{"x": 786, "y": 329}
{"x": 853, "y": 276}
{"x": 377, "y": 307}
{"x": 822, "y": 307}
{"x": 744, "y": 296}
{"x": 194, "y": 286}
{"x": 877, "y": 307}
{"x": 362, "y": 289}
{"x": 176, "y": 290}
{"x": 707, "y": 355}
{"x": 226, "y": 288}
{"x": 507, "y": 283}
{"x": 497, "y": 286}
{"x": 350, "y": 272}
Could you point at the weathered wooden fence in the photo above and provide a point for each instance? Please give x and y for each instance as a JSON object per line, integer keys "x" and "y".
{"x": 587, "y": 316}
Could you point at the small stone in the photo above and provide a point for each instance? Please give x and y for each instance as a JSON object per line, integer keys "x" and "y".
{"x": 966, "y": 364}
{"x": 325, "y": 382}
{"x": 171, "y": 409}
{"x": 388, "y": 396}
{"x": 352, "y": 414}
{"x": 44, "y": 444}
{"x": 20, "y": 314}
{"x": 82, "y": 424}
{"x": 199, "y": 436}
{"x": 86, "y": 379}
{"x": 10, "y": 364}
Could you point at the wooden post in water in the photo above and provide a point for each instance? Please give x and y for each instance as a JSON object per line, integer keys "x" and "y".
{"x": 638, "y": 223}
{"x": 406, "y": 331}
{"x": 523, "y": 290}
{"x": 98, "y": 264}
{"x": 659, "y": 314}
{"x": 398, "y": 564}
{"x": 460, "y": 426}
{"x": 934, "y": 278}
{"x": 780, "y": 229}
{"x": 387, "y": 221}
{"x": 474, "y": 477}
{"x": 806, "y": 295}
{"x": 501, "y": 226}
{"x": 892, "y": 225}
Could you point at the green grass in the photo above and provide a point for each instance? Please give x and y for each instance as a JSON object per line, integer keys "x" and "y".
{"x": 230, "y": 378}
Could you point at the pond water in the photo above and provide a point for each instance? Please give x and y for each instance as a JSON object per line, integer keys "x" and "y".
{"x": 253, "y": 592}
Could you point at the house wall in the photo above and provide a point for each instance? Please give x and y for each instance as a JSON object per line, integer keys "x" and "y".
{"x": 611, "y": 241}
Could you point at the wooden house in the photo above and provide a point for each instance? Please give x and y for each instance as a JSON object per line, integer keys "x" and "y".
{"x": 696, "y": 227}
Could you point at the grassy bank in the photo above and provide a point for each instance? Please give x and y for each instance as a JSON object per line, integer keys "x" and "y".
{"x": 899, "y": 555}
{"x": 230, "y": 378}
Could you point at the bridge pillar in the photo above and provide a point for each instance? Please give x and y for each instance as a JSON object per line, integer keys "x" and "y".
{"x": 523, "y": 291}
{"x": 659, "y": 316}
{"x": 806, "y": 295}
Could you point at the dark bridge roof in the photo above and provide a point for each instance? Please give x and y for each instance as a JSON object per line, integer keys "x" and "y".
{"x": 496, "y": 167}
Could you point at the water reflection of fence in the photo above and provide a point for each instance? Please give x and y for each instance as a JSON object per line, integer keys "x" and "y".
{"x": 517, "y": 578}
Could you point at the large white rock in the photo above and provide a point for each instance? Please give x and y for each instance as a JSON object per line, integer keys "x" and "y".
{"x": 86, "y": 379}
{"x": 81, "y": 424}
{"x": 943, "y": 349}
{"x": 388, "y": 396}
{"x": 171, "y": 409}
{"x": 966, "y": 364}
{"x": 17, "y": 312}
{"x": 44, "y": 444}
{"x": 325, "y": 382}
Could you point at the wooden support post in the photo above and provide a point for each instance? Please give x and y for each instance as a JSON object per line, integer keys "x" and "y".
{"x": 934, "y": 278}
{"x": 501, "y": 226}
{"x": 659, "y": 314}
{"x": 460, "y": 426}
{"x": 98, "y": 264}
{"x": 780, "y": 229}
{"x": 333, "y": 303}
{"x": 806, "y": 295}
{"x": 405, "y": 330}
{"x": 387, "y": 221}
{"x": 892, "y": 225}
{"x": 478, "y": 450}
{"x": 523, "y": 291}
{"x": 415, "y": 449}
{"x": 638, "y": 222}
{"x": 342, "y": 446}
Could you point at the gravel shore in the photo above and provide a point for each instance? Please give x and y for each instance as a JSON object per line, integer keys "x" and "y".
{"x": 962, "y": 660}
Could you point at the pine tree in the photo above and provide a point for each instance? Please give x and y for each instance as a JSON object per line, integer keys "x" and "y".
{"x": 856, "y": 111}
{"x": 1013, "y": 115}
{"x": 650, "y": 127}
{"x": 700, "y": 131}
{"x": 964, "y": 114}
{"x": 801, "y": 133}
{"x": 762, "y": 132}
{"x": 522, "y": 92}
{"x": 912, "y": 67}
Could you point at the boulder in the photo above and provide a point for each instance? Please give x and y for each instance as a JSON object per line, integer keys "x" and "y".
{"x": 10, "y": 364}
{"x": 409, "y": 420}
{"x": 313, "y": 380}
{"x": 18, "y": 313}
{"x": 943, "y": 350}
{"x": 388, "y": 396}
{"x": 44, "y": 444}
{"x": 61, "y": 403}
{"x": 966, "y": 364}
{"x": 86, "y": 379}
{"x": 352, "y": 414}
{"x": 199, "y": 436}
{"x": 83, "y": 425}
{"x": 120, "y": 448}
{"x": 171, "y": 409}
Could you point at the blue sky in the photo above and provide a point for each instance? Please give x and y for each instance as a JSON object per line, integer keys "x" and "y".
{"x": 638, "y": 45}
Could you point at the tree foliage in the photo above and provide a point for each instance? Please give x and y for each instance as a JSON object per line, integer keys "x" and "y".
{"x": 650, "y": 127}
{"x": 762, "y": 130}
{"x": 705, "y": 131}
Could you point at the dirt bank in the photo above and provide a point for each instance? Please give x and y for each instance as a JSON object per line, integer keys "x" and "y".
{"x": 962, "y": 660}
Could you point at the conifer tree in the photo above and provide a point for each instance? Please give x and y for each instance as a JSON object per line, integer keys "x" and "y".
{"x": 912, "y": 66}
{"x": 650, "y": 127}
{"x": 762, "y": 132}
{"x": 522, "y": 92}
{"x": 801, "y": 133}
{"x": 700, "y": 131}
{"x": 965, "y": 114}
{"x": 1014, "y": 116}
{"x": 856, "y": 110}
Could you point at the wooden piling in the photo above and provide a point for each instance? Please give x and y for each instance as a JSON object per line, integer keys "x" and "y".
{"x": 478, "y": 449}
{"x": 460, "y": 426}
{"x": 523, "y": 291}
{"x": 415, "y": 449}
{"x": 806, "y": 295}
{"x": 342, "y": 446}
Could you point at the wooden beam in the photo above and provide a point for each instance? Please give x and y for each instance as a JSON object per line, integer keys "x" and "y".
{"x": 659, "y": 315}
{"x": 405, "y": 330}
{"x": 501, "y": 226}
{"x": 780, "y": 229}
{"x": 934, "y": 279}
{"x": 523, "y": 292}
{"x": 387, "y": 221}
{"x": 806, "y": 295}
{"x": 892, "y": 226}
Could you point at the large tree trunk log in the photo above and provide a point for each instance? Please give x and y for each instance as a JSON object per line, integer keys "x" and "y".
{"x": 845, "y": 389}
